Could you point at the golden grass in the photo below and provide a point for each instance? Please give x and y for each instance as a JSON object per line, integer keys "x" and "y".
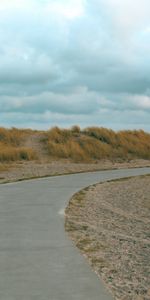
{"x": 70, "y": 149}
{"x": 13, "y": 136}
{"x": 88, "y": 145}
{"x": 11, "y": 145}
{"x": 11, "y": 153}
{"x": 97, "y": 143}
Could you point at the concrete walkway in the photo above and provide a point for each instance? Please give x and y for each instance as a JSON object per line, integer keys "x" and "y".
{"x": 37, "y": 260}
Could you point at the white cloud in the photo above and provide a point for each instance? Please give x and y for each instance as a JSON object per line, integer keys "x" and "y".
{"x": 128, "y": 15}
{"x": 68, "y": 9}
{"x": 140, "y": 101}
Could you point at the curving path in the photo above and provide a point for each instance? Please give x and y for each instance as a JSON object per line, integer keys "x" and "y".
{"x": 37, "y": 260}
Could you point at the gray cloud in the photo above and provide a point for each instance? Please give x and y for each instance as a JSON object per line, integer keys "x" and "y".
{"x": 74, "y": 69}
{"x": 81, "y": 101}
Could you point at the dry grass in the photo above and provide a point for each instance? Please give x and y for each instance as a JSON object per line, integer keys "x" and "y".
{"x": 88, "y": 145}
{"x": 10, "y": 153}
{"x": 11, "y": 145}
{"x": 97, "y": 143}
{"x": 13, "y": 136}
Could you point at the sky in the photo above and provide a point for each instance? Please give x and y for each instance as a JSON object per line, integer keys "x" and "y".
{"x": 69, "y": 62}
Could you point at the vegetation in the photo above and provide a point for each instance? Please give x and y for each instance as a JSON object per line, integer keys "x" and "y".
{"x": 13, "y": 136}
{"x": 12, "y": 145}
{"x": 8, "y": 153}
{"x": 90, "y": 144}
{"x": 95, "y": 143}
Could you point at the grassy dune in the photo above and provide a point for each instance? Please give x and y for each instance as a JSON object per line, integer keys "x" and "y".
{"x": 12, "y": 145}
{"x": 87, "y": 145}
{"x": 97, "y": 143}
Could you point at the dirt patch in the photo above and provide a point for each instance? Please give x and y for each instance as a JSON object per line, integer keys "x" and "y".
{"x": 36, "y": 142}
{"x": 110, "y": 224}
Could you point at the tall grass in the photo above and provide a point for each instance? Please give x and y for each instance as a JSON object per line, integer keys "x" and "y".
{"x": 71, "y": 149}
{"x": 105, "y": 135}
{"x": 11, "y": 145}
{"x": 95, "y": 143}
{"x": 90, "y": 144}
{"x": 13, "y": 136}
{"x": 10, "y": 153}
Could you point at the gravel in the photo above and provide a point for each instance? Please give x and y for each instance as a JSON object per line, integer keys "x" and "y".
{"x": 110, "y": 224}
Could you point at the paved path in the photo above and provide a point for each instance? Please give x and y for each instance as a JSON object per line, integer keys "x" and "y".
{"x": 37, "y": 260}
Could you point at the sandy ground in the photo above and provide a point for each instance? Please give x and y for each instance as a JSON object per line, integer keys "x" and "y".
{"x": 26, "y": 170}
{"x": 110, "y": 224}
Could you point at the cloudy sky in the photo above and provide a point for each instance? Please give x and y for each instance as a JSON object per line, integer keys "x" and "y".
{"x": 65, "y": 62}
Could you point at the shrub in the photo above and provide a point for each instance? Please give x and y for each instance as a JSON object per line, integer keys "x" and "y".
{"x": 75, "y": 130}
{"x": 104, "y": 135}
{"x": 10, "y": 153}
